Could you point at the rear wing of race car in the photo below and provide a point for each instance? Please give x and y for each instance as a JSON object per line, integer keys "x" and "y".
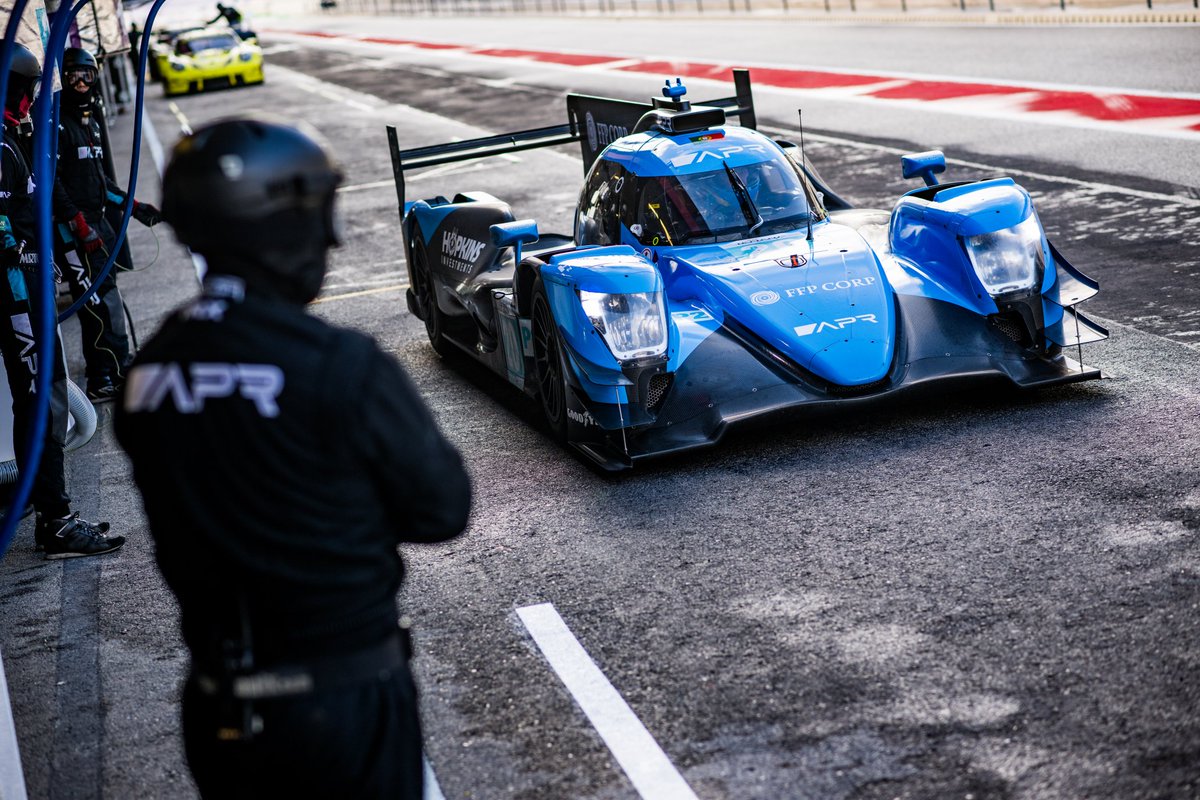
{"x": 594, "y": 122}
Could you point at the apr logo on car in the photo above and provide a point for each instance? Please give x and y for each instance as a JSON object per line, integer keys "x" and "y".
{"x": 461, "y": 252}
{"x": 841, "y": 323}
{"x": 717, "y": 155}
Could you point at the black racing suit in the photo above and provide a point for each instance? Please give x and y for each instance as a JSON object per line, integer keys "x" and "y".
{"x": 20, "y": 320}
{"x": 84, "y": 186}
{"x": 236, "y": 21}
{"x": 280, "y": 461}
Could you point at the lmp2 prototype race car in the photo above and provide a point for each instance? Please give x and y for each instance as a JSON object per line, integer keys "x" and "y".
{"x": 199, "y": 58}
{"x": 713, "y": 277}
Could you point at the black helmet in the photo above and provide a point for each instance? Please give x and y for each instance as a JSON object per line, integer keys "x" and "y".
{"x": 79, "y": 63}
{"x": 78, "y": 58}
{"x": 24, "y": 73}
{"x": 254, "y": 196}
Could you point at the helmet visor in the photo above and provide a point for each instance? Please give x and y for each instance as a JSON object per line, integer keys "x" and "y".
{"x": 75, "y": 75}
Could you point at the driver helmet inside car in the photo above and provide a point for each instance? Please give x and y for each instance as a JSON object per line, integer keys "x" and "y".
{"x": 713, "y": 197}
{"x": 770, "y": 188}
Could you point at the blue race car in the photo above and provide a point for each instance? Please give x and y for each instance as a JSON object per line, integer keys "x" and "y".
{"x": 713, "y": 277}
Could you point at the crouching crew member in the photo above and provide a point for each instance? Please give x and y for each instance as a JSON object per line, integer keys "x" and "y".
{"x": 280, "y": 461}
{"x": 82, "y": 191}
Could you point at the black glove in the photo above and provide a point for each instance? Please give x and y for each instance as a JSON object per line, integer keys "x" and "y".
{"x": 87, "y": 238}
{"x": 146, "y": 214}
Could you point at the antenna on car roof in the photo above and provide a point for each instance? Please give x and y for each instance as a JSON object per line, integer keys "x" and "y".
{"x": 804, "y": 163}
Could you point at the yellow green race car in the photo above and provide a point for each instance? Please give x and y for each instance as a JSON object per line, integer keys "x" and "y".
{"x": 209, "y": 58}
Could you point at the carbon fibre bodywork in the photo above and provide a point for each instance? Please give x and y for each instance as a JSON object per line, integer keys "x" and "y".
{"x": 655, "y": 328}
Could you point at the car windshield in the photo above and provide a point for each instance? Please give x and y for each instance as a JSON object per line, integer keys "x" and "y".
{"x": 709, "y": 206}
{"x": 219, "y": 42}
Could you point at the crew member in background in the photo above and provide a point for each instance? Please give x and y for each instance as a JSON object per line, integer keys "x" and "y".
{"x": 82, "y": 191}
{"x": 281, "y": 461}
{"x": 235, "y": 20}
{"x": 59, "y": 532}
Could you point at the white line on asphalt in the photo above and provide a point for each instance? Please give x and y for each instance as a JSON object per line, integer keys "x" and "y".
{"x": 12, "y": 779}
{"x": 1094, "y": 186}
{"x": 363, "y": 293}
{"x": 651, "y": 772}
{"x": 184, "y": 126}
{"x": 156, "y": 152}
{"x": 359, "y": 187}
{"x": 364, "y": 100}
{"x": 153, "y": 142}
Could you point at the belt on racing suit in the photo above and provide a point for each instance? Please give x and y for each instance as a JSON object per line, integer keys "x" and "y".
{"x": 307, "y": 677}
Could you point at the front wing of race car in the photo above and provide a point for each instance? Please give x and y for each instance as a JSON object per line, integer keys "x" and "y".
{"x": 723, "y": 361}
{"x": 733, "y": 376}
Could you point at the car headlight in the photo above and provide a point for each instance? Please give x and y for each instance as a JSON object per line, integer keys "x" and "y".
{"x": 178, "y": 66}
{"x": 633, "y": 325}
{"x": 245, "y": 56}
{"x": 1008, "y": 260}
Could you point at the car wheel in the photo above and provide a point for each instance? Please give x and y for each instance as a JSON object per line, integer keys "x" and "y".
{"x": 435, "y": 320}
{"x": 549, "y": 364}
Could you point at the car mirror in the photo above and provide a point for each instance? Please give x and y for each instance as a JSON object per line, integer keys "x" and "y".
{"x": 514, "y": 234}
{"x": 924, "y": 165}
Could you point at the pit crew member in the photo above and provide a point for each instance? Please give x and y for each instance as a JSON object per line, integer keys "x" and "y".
{"x": 281, "y": 460}
{"x": 59, "y": 532}
{"x": 82, "y": 192}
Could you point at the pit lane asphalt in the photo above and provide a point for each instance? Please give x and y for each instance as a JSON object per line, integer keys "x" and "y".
{"x": 989, "y": 595}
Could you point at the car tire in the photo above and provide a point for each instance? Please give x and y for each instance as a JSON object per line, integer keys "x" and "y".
{"x": 435, "y": 320}
{"x": 549, "y": 363}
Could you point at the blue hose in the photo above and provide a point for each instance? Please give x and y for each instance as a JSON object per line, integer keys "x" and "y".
{"x": 44, "y": 166}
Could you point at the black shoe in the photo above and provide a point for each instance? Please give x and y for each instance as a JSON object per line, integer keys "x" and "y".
{"x": 101, "y": 390}
{"x": 72, "y": 537}
{"x": 47, "y": 527}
